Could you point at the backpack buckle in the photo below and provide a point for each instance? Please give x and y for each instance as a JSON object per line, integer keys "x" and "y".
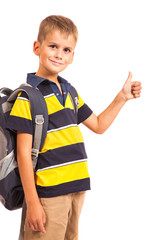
{"x": 39, "y": 119}
{"x": 76, "y": 101}
{"x": 34, "y": 153}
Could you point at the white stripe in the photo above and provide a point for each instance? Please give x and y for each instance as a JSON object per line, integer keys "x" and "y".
{"x": 47, "y": 96}
{"x": 50, "y": 95}
{"x": 61, "y": 165}
{"x": 58, "y": 129}
{"x": 22, "y": 98}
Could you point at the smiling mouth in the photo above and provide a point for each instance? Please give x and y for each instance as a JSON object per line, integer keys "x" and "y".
{"x": 56, "y": 63}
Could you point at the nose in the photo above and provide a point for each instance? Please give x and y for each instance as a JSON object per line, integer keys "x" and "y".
{"x": 59, "y": 54}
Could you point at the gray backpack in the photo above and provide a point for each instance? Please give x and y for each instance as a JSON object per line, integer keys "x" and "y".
{"x": 11, "y": 191}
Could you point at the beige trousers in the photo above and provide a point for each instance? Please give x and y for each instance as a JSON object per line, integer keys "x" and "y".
{"x": 62, "y": 216}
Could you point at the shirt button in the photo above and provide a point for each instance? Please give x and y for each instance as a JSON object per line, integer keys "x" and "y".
{"x": 64, "y": 93}
{"x": 57, "y": 94}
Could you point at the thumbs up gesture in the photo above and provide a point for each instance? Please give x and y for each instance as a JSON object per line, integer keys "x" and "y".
{"x": 130, "y": 89}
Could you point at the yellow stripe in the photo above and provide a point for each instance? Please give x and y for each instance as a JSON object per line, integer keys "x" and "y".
{"x": 61, "y": 138}
{"x": 68, "y": 103}
{"x": 55, "y": 176}
{"x": 81, "y": 103}
{"x": 21, "y": 108}
{"x": 53, "y": 104}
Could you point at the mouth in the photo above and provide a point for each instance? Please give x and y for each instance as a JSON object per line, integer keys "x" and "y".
{"x": 56, "y": 63}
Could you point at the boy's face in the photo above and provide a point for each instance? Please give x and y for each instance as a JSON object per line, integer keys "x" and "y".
{"x": 55, "y": 53}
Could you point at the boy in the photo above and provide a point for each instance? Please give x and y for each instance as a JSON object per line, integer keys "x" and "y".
{"x": 55, "y": 202}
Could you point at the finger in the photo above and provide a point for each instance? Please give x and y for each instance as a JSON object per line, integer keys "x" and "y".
{"x": 44, "y": 219}
{"x": 33, "y": 227}
{"x": 36, "y": 227}
{"x": 136, "y": 92}
{"x": 137, "y": 95}
{"x": 28, "y": 225}
{"x": 41, "y": 227}
{"x": 129, "y": 79}
{"x": 136, "y": 83}
{"x": 136, "y": 88}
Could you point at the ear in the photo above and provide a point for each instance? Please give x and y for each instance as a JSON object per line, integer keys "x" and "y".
{"x": 36, "y": 48}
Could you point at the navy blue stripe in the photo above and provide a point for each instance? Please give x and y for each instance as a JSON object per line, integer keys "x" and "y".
{"x": 23, "y": 94}
{"x": 64, "y": 188}
{"x": 20, "y": 124}
{"x": 83, "y": 113}
{"x": 61, "y": 155}
{"x": 61, "y": 118}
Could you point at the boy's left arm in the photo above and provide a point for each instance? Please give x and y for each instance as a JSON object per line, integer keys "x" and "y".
{"x": 99, "y": 124}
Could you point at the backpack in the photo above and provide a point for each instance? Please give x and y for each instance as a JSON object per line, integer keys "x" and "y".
{"x": 11, "y": 190}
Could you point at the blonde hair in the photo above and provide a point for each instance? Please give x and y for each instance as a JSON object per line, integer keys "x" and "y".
{"x": 57, "y": 22}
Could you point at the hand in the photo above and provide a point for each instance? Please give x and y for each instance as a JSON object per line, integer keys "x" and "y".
{"x": 36, "y": 217}
{"x": 130, "y": 89}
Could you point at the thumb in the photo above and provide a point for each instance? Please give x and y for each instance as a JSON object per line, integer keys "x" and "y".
{"x": 129, "y": 79}
{"x": 44, "y": 219}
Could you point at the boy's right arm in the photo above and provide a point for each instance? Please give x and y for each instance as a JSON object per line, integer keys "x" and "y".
{"x": 35, "y": 217}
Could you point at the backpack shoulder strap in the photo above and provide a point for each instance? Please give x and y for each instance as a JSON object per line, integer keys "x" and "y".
{"x": 74, "y": 96}
{"x": 6, "y": 91}
{"x": 39, "y": 114}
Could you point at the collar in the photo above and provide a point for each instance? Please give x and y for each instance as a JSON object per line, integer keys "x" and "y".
{"x": 35, "y": 80}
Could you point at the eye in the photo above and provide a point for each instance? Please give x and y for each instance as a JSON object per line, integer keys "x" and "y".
{"x": 53, "y": 46}
{"x": 67, "y": 50}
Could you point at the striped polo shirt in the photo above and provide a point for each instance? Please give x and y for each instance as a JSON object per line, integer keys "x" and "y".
{"x": 62, "y": 162}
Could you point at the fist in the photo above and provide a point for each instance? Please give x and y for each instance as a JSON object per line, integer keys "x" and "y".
{"x": 131, "y": 89}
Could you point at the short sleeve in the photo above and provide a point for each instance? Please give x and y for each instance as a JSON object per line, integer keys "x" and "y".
{"x": 83, "y": 111}
{"x": 20, "y": 118}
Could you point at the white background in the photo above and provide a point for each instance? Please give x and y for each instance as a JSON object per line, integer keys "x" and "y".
{"x": 114, "y": 37}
